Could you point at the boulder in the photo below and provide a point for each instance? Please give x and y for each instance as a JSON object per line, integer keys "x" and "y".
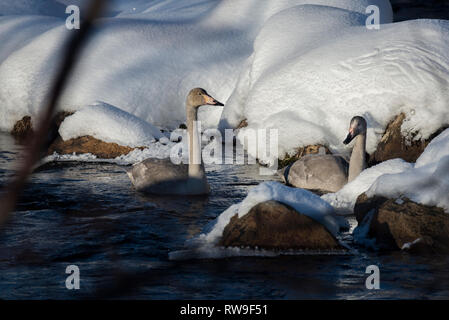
{"x": 86, "y": 144}
{"x": 22, "y": 128}
{"x": 397, "y": 224}
{"x": 275, "y": 226}
{"x": 242, "y": 124}
{"x": 394, "y": 145}
{"x": 301, "y": 152}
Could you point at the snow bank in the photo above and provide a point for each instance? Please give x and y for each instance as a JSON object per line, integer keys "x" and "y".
{"x": 110, "y": 124}
{"x": 427, "y": 183}
{"x": 314, "y": 68}
{"x": 344, "y": 200}
{"x": 145, "y": 59}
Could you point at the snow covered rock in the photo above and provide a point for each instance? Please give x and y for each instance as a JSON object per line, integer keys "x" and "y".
{"x": 300, "y": 200}
{"x": 394, "y": 224}
{"x": 109, "y": 124}
{"x": 275, "y": 226}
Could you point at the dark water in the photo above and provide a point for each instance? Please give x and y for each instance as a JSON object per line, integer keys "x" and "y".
{"x": 89, "y": 215}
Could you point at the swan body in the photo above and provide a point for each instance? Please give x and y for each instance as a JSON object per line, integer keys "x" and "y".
{"x": 329, "y": 173}
{"x": 161, "y": 176}
{"x": 318, "y": 172}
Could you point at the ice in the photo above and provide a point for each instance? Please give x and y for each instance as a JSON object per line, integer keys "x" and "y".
{"x": 110, "y": 124}
{"x": 154, "y": 150}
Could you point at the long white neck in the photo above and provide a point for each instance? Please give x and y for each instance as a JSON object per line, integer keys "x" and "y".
{"x": 357, "y": 162}
{"x": 196, "y": 168}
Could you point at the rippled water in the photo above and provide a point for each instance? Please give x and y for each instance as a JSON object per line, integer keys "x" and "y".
{"x": 88, "y": 214}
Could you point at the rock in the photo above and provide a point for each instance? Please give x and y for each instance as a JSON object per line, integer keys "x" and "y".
{"x": 399, "y": 223}
{"x": 394, "y": 145}
{"x": 85, "y": 144}
{"x": 301, "y": 152}
{"x": 22, "y": 128}
{"x": 242, "y": 124}
{"x": 276, "y": 226}
{"x": 88, "y": 144}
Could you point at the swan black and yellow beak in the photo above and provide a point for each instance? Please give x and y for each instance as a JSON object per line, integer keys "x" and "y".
{"x": 351, "y": 135}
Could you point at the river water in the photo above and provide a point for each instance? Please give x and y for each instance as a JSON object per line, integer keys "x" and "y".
{"x": 87, "y": 214}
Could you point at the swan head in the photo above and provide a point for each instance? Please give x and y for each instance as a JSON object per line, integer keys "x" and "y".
{"x": 356, "y": 127}
{"x": 198, "y": 97}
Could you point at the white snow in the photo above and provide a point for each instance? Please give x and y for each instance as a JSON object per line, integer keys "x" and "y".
{"x": 144, "y": 59}
{"x": 409, "y": 245}
{"x": 110, "y": 124}
{"x": 313, "y": 68}
{"x": 158, "y": 149}
{"x": 344, "y": 200}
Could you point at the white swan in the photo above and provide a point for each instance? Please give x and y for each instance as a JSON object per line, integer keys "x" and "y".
{"x": 330, "y": 173}
{"x": 164, "y": 177}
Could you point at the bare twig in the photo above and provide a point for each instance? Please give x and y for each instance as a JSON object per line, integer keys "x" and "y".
{"x": 32, "y": 150}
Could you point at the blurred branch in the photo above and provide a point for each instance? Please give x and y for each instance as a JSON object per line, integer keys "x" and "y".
{"x": 32, "y": 151}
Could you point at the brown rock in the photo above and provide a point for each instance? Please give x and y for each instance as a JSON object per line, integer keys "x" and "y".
{"x": 394, "y": 145}
{"x": 395, "y": 223}
{"x": 273, "y": 225}
{"x": 301, "y": 152}
{"x": 88, "y": 144}
{"x": 60, "y": 116}
{"x": 242, "y": 124}
{"x": 22, "y": 128}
